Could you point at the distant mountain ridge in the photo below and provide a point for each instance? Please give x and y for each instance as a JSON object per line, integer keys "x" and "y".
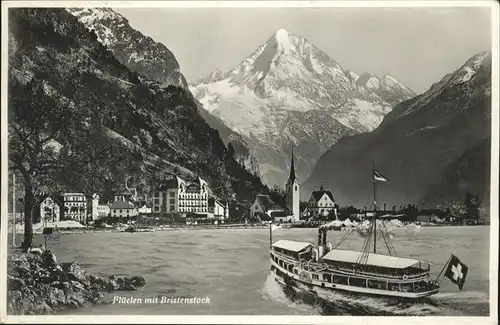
{"x": 290, "y": 93}
{"x": 424, "y": 146}
{"x": 152, "y": 60}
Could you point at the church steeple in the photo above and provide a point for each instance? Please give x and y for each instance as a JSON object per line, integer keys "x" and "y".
{"x": 292, "y": 177}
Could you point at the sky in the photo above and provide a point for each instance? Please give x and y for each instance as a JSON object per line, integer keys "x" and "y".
{"x": 418, "y": 46}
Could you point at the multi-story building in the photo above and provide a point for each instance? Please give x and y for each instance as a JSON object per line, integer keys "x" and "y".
{"x": 103, "y": 210}
{"x": 97, "y": 207}
{"x": 178, "y": 195}
{"x": 123, "y": 209}
{"x": 75, "y": 206}
{"x": 322, "y": 203}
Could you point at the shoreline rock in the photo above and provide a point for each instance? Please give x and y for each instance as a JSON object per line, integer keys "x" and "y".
{"x": 37, "y": 284}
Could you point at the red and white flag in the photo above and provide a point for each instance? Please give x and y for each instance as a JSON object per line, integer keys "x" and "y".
{"x": 456, "y": 271}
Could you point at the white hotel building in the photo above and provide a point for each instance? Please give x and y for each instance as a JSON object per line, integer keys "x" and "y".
{"x": 178, "y": 195}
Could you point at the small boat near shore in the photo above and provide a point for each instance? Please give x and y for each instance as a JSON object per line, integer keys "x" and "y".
{"x": 363, "y": 271}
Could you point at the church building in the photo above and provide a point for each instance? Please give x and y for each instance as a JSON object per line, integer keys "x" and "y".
{"x": 292, "y": 197}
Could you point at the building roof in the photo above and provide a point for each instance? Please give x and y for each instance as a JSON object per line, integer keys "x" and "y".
{"x": 122, "y": 205}
{"x": 394, "y": 262}
{"x": 267, "y": 202}
{"x": 279, "y": 214}
{"x": 319, "y": 194}
{"x": 291, "y": 245}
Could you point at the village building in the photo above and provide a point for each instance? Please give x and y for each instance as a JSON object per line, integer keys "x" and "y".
{"x": 144, "y": 210}
{"x": 263, "y": 207}
{"x": 306, "y": 213}
{"x": 75, "y": 207}
{"x": 49, "y": 211}
{"x": 103, "y": 209}
{"x": 292, "y": 193}
{"x": 177, "y": 195}
{"x": 123, "y": 209}
{"x": 321, "y": 204}
{"x": 98, "y": 208}
{"x": 218, "y": 209}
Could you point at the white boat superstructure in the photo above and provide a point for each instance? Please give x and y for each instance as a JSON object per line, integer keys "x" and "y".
{"x": 341, "y": 270}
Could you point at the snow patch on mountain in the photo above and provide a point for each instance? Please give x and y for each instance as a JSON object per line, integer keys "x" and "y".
{"x": 459, "y": 76}
{"x": 269, "y": 94}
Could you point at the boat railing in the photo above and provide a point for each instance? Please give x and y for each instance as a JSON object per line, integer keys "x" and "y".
{"x": 378, "y": 275}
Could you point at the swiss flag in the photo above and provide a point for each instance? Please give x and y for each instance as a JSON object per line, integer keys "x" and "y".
{"x": 456, "y": 271}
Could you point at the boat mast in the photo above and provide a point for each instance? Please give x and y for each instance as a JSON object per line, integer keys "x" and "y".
{"x": 374, "y": 219}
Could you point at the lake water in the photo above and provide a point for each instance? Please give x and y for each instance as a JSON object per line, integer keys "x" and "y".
{"x": 231, "y": 267}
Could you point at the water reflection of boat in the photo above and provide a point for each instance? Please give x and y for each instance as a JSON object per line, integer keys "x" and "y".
{"x": 362, "y": 272}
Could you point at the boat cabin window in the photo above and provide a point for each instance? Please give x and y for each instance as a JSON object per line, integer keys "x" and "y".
{"x": 340, "y": 279}
{"x": 285, "y": 252}
{"x": 290, "y": 268}
{"x": 327, "y": 277}
{"x": 393, "y": 287}
{"x": 315, "y": 277}
{"x": 421, "y": 286}
{"x": 407, "y": 287}
{"x": 357, "y": 282}
{"x": 376, "y": 284}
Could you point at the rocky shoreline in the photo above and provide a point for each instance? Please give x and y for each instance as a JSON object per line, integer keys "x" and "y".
{"x": 37, "y": 284}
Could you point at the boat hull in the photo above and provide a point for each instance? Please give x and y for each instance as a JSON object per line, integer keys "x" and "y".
{"x": 305, "y": 278}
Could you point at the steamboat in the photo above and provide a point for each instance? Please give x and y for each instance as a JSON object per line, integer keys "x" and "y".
{"x": 363, "y": 272}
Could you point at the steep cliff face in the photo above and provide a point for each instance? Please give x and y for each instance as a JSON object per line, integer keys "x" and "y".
{"x": 124, "y": 125}
{"x": 154, "y": 61}
{"x": 417, "y": 144}
{"x": 290, "y": 93}
{"x": 133, "y": 49}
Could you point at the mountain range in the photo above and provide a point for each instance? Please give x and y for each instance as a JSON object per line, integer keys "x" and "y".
{"x": 154, "y": 61}
{"x": 432, "y": 148}
{"x": 70, "y": 90}
{"x": 288, "y": 93}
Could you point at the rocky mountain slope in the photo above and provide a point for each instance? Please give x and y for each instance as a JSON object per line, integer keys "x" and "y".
{"x": 136, "y": 51}
{"x": 290, "y": 93}
{"x": 153, "y": 60}
{"x": 111, "y": 123}
{"x": 427, "y": 146}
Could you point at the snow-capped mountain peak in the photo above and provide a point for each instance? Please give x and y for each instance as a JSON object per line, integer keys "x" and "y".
{"x": 289, "y": 91}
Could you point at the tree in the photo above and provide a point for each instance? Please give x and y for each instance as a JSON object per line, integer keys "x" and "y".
{"x": 471, "y": 204}
{"x": 35, "y": 120}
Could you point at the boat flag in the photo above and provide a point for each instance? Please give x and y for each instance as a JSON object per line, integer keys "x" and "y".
{"x": 456, "y": 271}
{"x": 378, "y": 177}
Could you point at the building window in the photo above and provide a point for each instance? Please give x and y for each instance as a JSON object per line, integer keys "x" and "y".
{"x": 295, "y": 187}
{"x": 172, "y": 194}
{"x": 157, "y": 194}
{"x": 157, "y": 201}
{"x": 157, "y": 208}
{"x": 172, "y": 201}
{"x": 172, "y": 207}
